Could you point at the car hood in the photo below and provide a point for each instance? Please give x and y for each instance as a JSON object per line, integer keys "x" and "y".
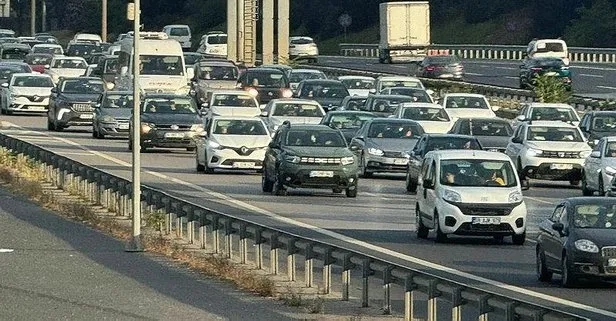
{"x": 250, "y": 141}
{"x": 470, "y": 112}
{"x": 30, "y": 91}
{"x": 171, "y": 118}
{"x": 436, "y": 127}
{"x": 483, "y": 194}
{"x": 493, "y": 141}
{"x": 319, "y": 151}
{"x": 560, "y": 146}
{"x": 391, "y": 144}
{"x": 235, "y": 111}
{"x": 218, "y": 84}
{"x": 80, "y": 97}
{"x": 601, "y": 237}
{"x": 118, "y": 113}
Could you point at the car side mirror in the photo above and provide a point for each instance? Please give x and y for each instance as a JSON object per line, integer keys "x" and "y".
{"x": 354, "y": 148}
{"x": 5, "y": 85}
{"x": 560, "y": 228}
{"x": 263, "y": 114}
{"x": 595, "y": 154}
{"x": 516, "y": 140}
{"x": 54, "y": 90}
{"x": 428, "y": 183}
{"x": 521, "y": 118}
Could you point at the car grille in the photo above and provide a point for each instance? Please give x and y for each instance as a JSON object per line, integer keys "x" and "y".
{"x": 320, "y": 160}
{"x": 35, "y": 99}
{"x": 479, "y": 228}
{"x": 553, "y": 154}
{"x": 243, "y": 151}
{"x": 82, "y": 107}
{"x": 394, "y": 154}
{"x": 174, "y": 127}
{"x": 485, "y": 209}
{"x": 609, "y": 251}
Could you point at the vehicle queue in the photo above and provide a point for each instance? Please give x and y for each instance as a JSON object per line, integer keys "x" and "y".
{"x": 300, "y": 129}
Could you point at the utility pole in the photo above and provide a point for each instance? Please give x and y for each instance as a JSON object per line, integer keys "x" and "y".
{"x": 44, "y": 16}
{"x": 104, "y": 21}
{"x": 232, "y": 30}
{"x": 268, "y": 32}
{"x": 32, "y": 17}
{"x": 283, "y": 31}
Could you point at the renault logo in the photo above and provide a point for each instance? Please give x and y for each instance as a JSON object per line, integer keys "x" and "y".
{"x": 561, "y": 154}
{"x": 270, "y": 93}
{"x": 244, "y": 149}
{"x": 175, "y": 127}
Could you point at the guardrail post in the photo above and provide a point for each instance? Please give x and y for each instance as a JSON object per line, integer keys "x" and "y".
{"x": 433, "y": 293}
{"x": 243, "y": 243}
{"x": 328, "y": 260}
{"x": 456, "y": 304}
{"x": 274, "y": 246}
{"x": 178, "y": 226}
{"x": 484, "y": 307}
{"x": 308, "y": 267}
{"x": 168, "y": 216}
{"x": 409, "y": 288}
{"x": 229, "y": 238}
{"x": 387, "y": 280}
{"x": 203, "y": 230}
{"x": 190, "y": 230}
{"x": 291, "y": 251}
{"x": 258, "y": 249}
{"x": 216, "y": 233}
{"x": 510, "y": 314}
{"x": 346, "y": 276}
{"x": 366, "y": 271}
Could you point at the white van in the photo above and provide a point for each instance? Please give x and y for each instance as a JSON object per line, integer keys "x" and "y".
{"x": 548, "y": 48}
{"x": 470, "y": 192}
{"x": 181, "y": 33}
{"x": 214, "y": 44}
{"x": 162, "y": 67}
{"x": 87, "y": 37}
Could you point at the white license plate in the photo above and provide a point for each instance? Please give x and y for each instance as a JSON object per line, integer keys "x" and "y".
{"x": 243, "y": 165}
{"x": 321, "y": 174}
{"x": 174, "y": 135}
{"x": 401, "y": 161}
{"x": 37, "y": 107}
{"x": 446, "y": 75}
{"x": 551, "y": 73}
{"x": 86, "y": 116}
{"x": 123, "y": 126}
{"x": 486, "y": 220}
{"x": 611, "y": 262}
{"x": 561, "y": 166}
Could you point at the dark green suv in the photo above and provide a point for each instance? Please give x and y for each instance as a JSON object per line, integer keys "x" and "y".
{"x": 309, "y": 156}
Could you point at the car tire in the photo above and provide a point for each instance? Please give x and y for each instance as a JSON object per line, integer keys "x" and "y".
{"x": 337, "y": 190}
{"x": 200, "y": 168}
{"x": 601, "y": 189}
{"x": 543, "y": 274}
{"x": 50, "y": 125}
{"x": 2, "y": 111}
{"x": 518, "y": 239}
{"x": 567, "y": 280}
{"x": 440, "y": 236}
{"x": 411, "y": 185}
{"x": 266, "y": 185}
{"x": 352, "y": 193}
{"x": 278, "y": 188}
{"x": 421, "y": 230}
{"x": 585, "y": 190}
{"x": 574, "y": 182}
{"x": 206, "y": 168}
{"x": 364, "y": 173}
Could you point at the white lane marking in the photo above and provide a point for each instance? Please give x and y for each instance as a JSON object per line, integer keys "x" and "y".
{"x": 76, "y": 153}
{"x": 590, "y": 75}
{"x": 359, "y": 243}
{"x": 506, "y": 68}
{"x": 6, "y": 250}
{"x": 538, "y": 200}
{"x": 511, "y": 77}
{"x": 473, "y": 74}
{"x": 607, "y": 87}
{"x": 334, "y": 61}
{"x": 485, "y": 66}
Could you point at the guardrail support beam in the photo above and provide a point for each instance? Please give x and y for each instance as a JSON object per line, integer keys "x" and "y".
{"x": 308, "y": 268}
{"x": 409, "y": 288}
{"x": 387, "y": 280}
{"x": 243, "y": 243}
{"x": 433, "y": 293}
{"x": 291, "y": 252}
{"x": 346, "y": 276}
{"x": 366, "y": 271}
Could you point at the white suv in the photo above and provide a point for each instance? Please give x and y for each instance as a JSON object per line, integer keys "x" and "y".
{"x": 303, "y": 48}
{"x": 548, "y": 150}
{"x": 547, "y": 112}
{"x": 470, "y": 192}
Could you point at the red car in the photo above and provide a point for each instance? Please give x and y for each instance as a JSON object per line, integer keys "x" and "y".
{"x": 38, "y": 61}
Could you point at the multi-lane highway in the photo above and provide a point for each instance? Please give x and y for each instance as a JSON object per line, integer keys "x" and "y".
{"x": 592, "y": 80}
{"x": 380, "y": 220}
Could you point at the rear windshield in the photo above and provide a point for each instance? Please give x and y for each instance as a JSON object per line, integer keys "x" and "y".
{"x": 324, "y": 91}
{"x": 297, "y": 110}
{"x": 217, "y": 40}
{"x": 301, "y": 41}
{"x": 179, "y": 32}
{"x": 549, "y": 47}
{"x": 70, "y": 64}
{"x": 549, "y": 63}
{"x": 81, "y": 49}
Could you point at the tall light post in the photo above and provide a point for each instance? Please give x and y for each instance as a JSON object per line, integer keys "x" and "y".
{"x": 134, "y": 244}
{"x": 104, "y": 20}
{"x": 32, "y": 17}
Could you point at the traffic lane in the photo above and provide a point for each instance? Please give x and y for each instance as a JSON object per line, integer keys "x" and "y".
{"x": 60, "y": 269}
{"x": 377, "y": 235}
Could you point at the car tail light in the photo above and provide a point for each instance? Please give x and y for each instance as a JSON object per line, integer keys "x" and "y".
{"x": 252, "y": 92}
{"x": 536, "y": 69}
{"x": 429, "y": 68}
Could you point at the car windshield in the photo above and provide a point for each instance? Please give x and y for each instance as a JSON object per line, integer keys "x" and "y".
{"x": 490, "y": 128}
{"x": 111, "y": 66}
{"x": 418, "y": 95}
{"x": 81, "y": 49}
{"x": 32, "y": 81}
{"x": 47, "y": 50}
{"x": 233, "y": 100}
{"x": 324, "y": 91}
{"x": 554, "y": 134}
{"x": 7, "y": 72}
{"x": 169, "y": 106}
{"x": 161, "y": 65}
{"x": 218, "y": 73}
{"x": 191, "y": 59}
{"x": 477, "y": 173}
{"x": 217, "y": 40}
{"x": 179, "y": 32}
{"x": 610, "y": 149}
{"x": 69, "y": 64}
{"x": 425, "y": 114}
{"x": 401, "y": 83}
{"x": 446, "y": 143}
{"x": 604, "y": 123}
{"x": 297, "y": 110}
{"x": 387, "y": 105}
{"x": 9, "y": 40}
{"x": 395, "y": 130}
{"x": 553, "y": 113}
{"x": 315, "y": 138}
{"x": 595, "y": 216}
{"x": 38, "y": 60}
{"x": 115, "y": 101}
{"x": 82, "y": 86}
{"x": 266, "y": 79}
{"x": 358, "y": 83}
{"x": 466, "y": 102}
{"x": 239, "y": 127}
{"x": 14, "y": 54}
{"x": 299, "y": 76}
{"x": 348, "y": 121}
{"x": 354, "y": 103}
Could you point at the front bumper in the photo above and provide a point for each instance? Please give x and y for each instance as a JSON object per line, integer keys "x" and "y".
{"x": 454, "y": 221}
{"x": 117, "y": 128}
{"x": 27, "y": 105}
{"x": 558, "y": 169}
{"x": 591, "y": 265}
{"x": 230, "y": 159}
{"x": 168, "y": 139}
{"x": 302, "y": 175}
{"x": 385, "y": 164}
{"x": 69, "y": 117}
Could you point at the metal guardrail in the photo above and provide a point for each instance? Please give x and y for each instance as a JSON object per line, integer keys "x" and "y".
{"x": 505, "y": 52}
{"x": 191, "y": 222}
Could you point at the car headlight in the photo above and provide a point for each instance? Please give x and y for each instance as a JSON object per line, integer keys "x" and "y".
{"x": 110, "y": 85}
{"x": 375, "y": 152}
{"x": 197, "y": 128}
{"x": 596, "y": 141}
{"x": 451, "y": 196}
{"x": 586, "y": 246}
{"x": 585, "y": 154}
{"x": 286, "y": 93}
{"x": 534, "y": 152}
{"x": 213, "y": 145}
{"x": 292, "y": 159}
{"x": 610, "y": 171}
{"x": 107, "y": 119}
{"x": 147, "y": 127}
{"x": 515, "y": 197}
{"x": 347, "y": 160}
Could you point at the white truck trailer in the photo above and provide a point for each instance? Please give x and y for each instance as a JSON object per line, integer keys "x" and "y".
{"x": 405, "y": 31}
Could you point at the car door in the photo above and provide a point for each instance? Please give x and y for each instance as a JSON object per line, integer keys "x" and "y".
{"x": 273, "y": 153}
{"x": 550, "y": 238}
{"x": 515, "y": 144}
{"x": 416, "y": 157}
{"x": 358, "y": 142}
{"x": 424, "y": 207}
{"x": 592, "y": 167}
{"x": 429, "y": 193}
{"x": 202, "y": 142}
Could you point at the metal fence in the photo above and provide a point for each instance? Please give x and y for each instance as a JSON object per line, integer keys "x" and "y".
{"x": 235, "y": 238}
{"x": 506, "y": 52}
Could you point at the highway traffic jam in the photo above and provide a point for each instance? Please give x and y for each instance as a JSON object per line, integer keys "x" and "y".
{"x": 301, "y": 129}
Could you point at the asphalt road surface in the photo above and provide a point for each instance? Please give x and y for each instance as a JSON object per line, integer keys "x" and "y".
{"x": 379, "y": 221}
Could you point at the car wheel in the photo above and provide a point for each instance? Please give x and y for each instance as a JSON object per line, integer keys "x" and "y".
{"x": 352, "y": 193}
{"x": 50, "y": 125}
{"x": 266, "y": 185}
{"x": 519, "y": 239}
{"x": 337, "y": 190}
{"x": 190, "y": 149}
{"x": 543, "y": 274}
{"x": 440, "y": 236}
{"x": 278, "y": 188}
{"x": 411, "y": 184}
{"x": 421, "y": 230}
{"x": 94, "y": 134}
{"x": 206, "y": 168}
{"x": 523, "y": 180}
{"x": 574, "y": 182}
{"x": 200, "y": 168}
{"x": 567, "y": 280}
{"x": 364, "y": 172}
{"x": 130, "y": 144}
{"x": 585, "y": 190}
{"x": 2, "y": 111}
{"x": 601, "y": 188}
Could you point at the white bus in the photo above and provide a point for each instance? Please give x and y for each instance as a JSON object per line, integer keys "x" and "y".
{"x": 162, "y": 68}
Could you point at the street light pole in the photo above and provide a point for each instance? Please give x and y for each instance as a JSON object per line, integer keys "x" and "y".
{"x": 104, "y": 21}
{"x": 134, "y": 244}
{"x": 32, "y": 17}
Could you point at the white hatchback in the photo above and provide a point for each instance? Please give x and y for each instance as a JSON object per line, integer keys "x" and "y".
{"x": 303, "y": 48}
{"x": 26, "y": 92}
{"x": 432, "y": 117}
{"x": 465, "y": 105}
{"x": 62, "y": 66}
{"x": 233, "y": 103}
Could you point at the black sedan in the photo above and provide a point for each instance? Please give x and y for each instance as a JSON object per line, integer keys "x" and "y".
{"x": 492, "y": 133}
{"x": 578, "y": 241}
{"x": 347, "y": 121}
{"x": 265, "y": 84}
{"x": 72, "y": 102}
{"x": 328, "y": 93}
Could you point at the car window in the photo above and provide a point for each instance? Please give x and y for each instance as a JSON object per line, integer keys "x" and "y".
{"x": 465, "y": 128}
{"x": 418, "y": 95}
{"x": 610, "y": 149}
{"x": 161, "y": 65}
{"x": 297, "y": 110}
{"x": 239, "y": 127}
{"x": 81, "y": 86}
{"x": 118, "y": 101}
{"x": 348, "y": 121}
{"x": 217, "y": 73}
{"x": 323, "y": 91}
{"x": 299, "y": 76}
{"x": 32, "y": 81}
{"x": 552, "y": 113}
{"x": 265, "y": 79}
{"x": 179, "y": 32}
{"x": 466, "y": 102}
{"x": 169, "y": 106}
{"x": 477, "y": 172}
{"x": 557, "y": 214}
{"x": 605, "y": 123}
{"x": 387, "y": 105}
{"x": 425, "y": 114}
{"x": 596, "y": 216}
{"x": 446, "y": 143}
{"x": 358, "y": 83}
{"x": 490, "y": 128}
{"x": 70, "y": 63}
{"x": 400, "y": 83}
{"x": 424, "y": 167}
{"x": 229, "y": 100}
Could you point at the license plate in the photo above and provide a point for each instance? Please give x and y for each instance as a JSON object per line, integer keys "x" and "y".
{"x": 401, "y": 161}
{"x": 243, "y": 165}
{"x": 486, "y": 220}
{"x": 86, "y": 116}
{"x": 611, "y": 262}
{"x": 561, "y": 166}
{"x": 123, "y": 126}
{"x": 551, "y": 73}
{"x": 174, "y": 135}
{"x": 321, "y": 174}
{"x": 37, "y": 107}
{"x": 446, "y": 75}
